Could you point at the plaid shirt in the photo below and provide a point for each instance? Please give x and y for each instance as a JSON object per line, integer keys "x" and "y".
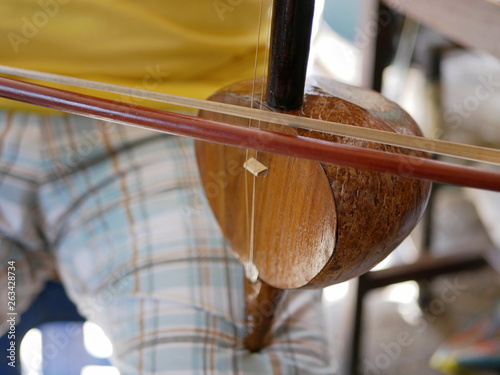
{"x": 120, "y": 213}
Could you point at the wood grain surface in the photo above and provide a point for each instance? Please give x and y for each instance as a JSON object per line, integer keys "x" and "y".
{"x": 315, "y": 224}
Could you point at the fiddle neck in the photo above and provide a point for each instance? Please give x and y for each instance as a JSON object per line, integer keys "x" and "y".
{"x": 289, "y": 52}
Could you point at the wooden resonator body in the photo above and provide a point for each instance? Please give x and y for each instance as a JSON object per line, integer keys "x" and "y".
{"x": 312, "y": 224}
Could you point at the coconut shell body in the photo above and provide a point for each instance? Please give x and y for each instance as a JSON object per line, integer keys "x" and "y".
{"x": 307, "y": 224}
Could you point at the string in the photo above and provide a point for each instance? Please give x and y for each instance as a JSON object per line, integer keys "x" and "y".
{"x": 251, "y": 270}
{"x": 434, "y": 146}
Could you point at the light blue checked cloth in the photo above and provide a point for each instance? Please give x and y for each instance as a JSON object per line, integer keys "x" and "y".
{"x": 121, "y": 214}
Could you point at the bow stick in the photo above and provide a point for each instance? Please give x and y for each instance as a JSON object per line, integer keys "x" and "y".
{"x": 461, "y": 151}
{"x": 246, "y": 137}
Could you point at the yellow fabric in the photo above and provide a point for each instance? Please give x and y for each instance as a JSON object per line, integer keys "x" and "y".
{"x": 190, "y": 48}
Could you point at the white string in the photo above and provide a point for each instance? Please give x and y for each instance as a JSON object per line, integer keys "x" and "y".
{"x": 251, "y": 271}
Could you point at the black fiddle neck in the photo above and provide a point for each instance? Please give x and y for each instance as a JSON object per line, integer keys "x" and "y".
{"x": 290, "y": 43}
